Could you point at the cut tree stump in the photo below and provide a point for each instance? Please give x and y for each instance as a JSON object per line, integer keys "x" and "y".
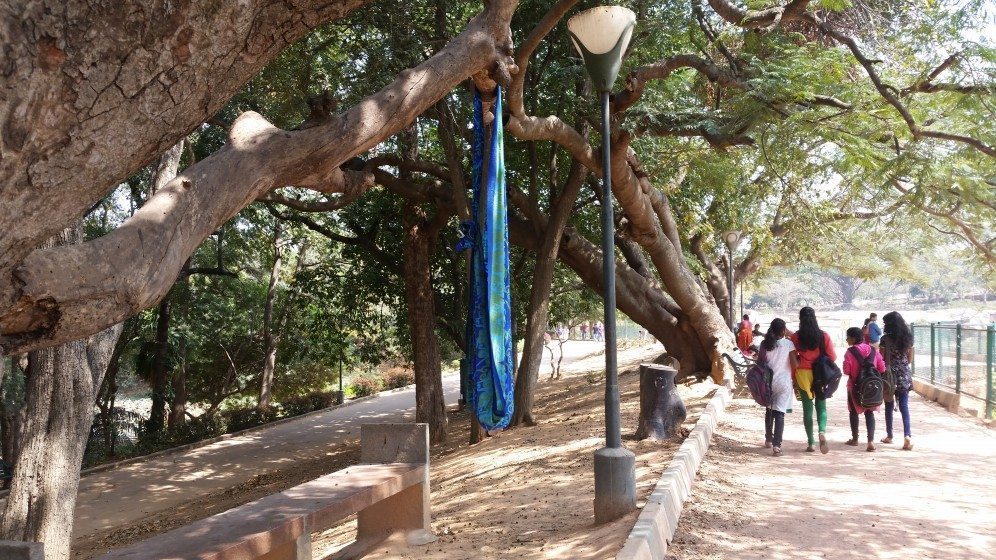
{"x": 661, "y": 409}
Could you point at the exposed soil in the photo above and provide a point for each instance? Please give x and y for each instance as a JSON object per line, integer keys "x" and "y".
{"x": 937, "y": 501}
{"x": 524, "y": 494}
{"x": 528, "y": 493}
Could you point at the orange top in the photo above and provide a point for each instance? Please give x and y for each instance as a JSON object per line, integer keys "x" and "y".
{"x": 807, "y": 357}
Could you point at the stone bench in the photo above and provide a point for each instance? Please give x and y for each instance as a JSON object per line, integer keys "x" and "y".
{"x": 388, "y": 490}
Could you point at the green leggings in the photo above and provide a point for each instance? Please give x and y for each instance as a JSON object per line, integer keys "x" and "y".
{"x": 807, "y": 415}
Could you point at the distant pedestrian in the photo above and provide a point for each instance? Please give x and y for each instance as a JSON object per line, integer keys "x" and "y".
{"x": 745, "y": 335}
{"x": 810, "y": 342}
{"x": 874, "y": 330}
{"x": 864, "y": 331}
{"x": 897, "y": 349}
{"x": 779, "y": 353}
{"x": 584, "y": 331}
{"x": 852, "y": 369}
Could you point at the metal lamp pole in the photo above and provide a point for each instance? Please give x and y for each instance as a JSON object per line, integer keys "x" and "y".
{"x": 601, "y": 36}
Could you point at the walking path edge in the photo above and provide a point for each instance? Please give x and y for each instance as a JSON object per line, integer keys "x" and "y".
{"x": 658, "y": 521}
{"x": 223, "y": 437}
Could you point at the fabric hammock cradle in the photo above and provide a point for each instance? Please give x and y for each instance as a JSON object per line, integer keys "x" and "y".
{"x": 488, "y": 386}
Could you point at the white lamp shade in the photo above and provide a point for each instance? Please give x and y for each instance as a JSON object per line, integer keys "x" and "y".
{"x": 600, "y": 29}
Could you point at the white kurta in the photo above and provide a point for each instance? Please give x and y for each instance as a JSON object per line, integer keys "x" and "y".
{"x": 782, "y": 393}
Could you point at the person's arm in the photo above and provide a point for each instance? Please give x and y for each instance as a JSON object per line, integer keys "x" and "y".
{"x": 829, "y": 347}
{"x": 850, "y": 366}
{"x": 793, "y": 362}
{"x": 879, "y": 362}
{"x": 909, "y": 355}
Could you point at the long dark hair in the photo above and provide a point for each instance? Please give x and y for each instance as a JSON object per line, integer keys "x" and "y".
{"x": 899, "y": 333}
{"x": 776, "y": 330}
{"x": 809, "y": 333}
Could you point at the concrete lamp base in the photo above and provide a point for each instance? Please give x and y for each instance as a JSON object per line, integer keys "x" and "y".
{"x": 615, "y": 483}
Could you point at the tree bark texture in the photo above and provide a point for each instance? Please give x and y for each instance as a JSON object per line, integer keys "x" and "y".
{"x": 166, "y": 169}
{"x": 107, "y": 279}
{"x": 269, "y": 337}
{"x": 661, "y": 409}
{"x": 93, "y": 92}
{"x": 539, "y": 297}
{"x": 419, "y": 243}
{"x": 61, "y": 387}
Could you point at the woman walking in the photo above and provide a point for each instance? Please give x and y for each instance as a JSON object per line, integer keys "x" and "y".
{"x": 779, "y": 353}
{"x": 858, "y": 352}
{"x": 897, "y": 349}
{"x": 810, "y": 341}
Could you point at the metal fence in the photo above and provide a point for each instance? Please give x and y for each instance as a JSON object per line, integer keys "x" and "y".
{"x": 958, "y": 357}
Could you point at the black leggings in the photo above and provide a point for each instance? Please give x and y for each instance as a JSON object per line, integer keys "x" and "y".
{"x": 869, "y": 422}
{"x": 774, "y": 426}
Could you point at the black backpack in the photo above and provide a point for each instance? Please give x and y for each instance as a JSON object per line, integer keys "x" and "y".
{"x": 869, "y": 389}
{"x": 826, "y": 374}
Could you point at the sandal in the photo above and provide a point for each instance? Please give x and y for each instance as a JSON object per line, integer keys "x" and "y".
{"x": 907, "y": 444}
{"x": 871, "y": 447}
{"x": 852, "y": 441}
{"x": 767, "y": 444}
{"x": 887, "y": 439}
{"x": 810, "y": 448}
{"x": 776, "y": 451}
{"x": 824, "y": 446}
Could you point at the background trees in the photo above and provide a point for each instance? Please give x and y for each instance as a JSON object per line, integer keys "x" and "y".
{"x": 815, "y": 127}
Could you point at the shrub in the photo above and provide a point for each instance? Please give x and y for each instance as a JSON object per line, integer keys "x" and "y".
{"x": 398, "y": 378}
{"x": 196, "y": 429}
{"x": 315, "y": 400}
{"x": 242, "y": 418}
{"x": 363, "y": 386}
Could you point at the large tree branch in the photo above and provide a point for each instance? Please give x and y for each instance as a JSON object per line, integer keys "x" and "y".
{"x": 92, "y": 92}
{"x": 526, "y": 49}
{"x": 65, "y": 293}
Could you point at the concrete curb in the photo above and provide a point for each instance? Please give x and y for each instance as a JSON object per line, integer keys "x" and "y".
{"x": 658, "y": 521}
{"x": 206, "y": 442}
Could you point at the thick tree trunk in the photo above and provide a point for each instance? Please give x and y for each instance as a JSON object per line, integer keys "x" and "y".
{"x": 418, "y": 246}
{"x": 105, "y": 280}
{"x": 160, "y": 370}
{"x": 661, "y": 409}
{"x": 93, "y": 92}
{"x": 61, "y": 388}
{"x": 269, "y": 337}
{"x": 539, "y": 297}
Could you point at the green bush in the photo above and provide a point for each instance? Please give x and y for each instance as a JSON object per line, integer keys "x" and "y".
{"x": 363, "y": 386}
{"x": 197, "y": 429}
{"x": 242, "y": 418}
{"x": 315, "y": 400}
{"x": 398, "y": 378}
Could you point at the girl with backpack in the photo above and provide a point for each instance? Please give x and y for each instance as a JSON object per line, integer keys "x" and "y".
{"x": 779, "y": 353}
{"x": 858, "y": 355}
{"x": 897, "y": 349}
{"x": 810, "y": 343}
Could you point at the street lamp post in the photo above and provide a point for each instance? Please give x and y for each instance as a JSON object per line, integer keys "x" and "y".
{"x": 601, "y": 36}
{"x": 732, "y": 239}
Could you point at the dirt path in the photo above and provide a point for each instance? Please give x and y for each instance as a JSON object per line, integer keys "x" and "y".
{"x": 142, "y": 499}
{"x": 938, "y": 501}
{"x": 528, "y": 493}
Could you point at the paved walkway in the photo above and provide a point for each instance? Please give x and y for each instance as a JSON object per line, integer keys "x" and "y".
{"x": 938, "y": 501}
{"x": 125, "y": 495}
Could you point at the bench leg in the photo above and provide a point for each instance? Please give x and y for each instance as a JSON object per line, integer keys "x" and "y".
{"x": 300, "y": 549}
{"x": 407, "y": 511}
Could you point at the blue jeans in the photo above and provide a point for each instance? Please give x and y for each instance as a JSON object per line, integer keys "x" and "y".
{"x": 903, "y": 400}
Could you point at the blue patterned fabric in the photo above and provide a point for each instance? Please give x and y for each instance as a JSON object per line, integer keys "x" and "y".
{"x": 489, "y": 320}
